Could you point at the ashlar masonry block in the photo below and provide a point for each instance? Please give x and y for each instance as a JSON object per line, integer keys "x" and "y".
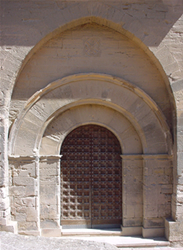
{"x": 157, "y": 191}
{"x": 24, "y": 193}
{"x": 49, "y": 192}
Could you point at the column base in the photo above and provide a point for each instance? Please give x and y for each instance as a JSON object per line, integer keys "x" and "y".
{"x": 173, "y": 230}
{"x": 153, "y": 232}
{"x": 51, "y": 232}
{"x": 10, "y": 227}
{"x": 31, "y": 233}
{"x": 131, "y": 231}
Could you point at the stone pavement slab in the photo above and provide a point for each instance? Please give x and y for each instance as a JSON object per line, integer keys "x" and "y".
{"x": 10, "y": 241}
{"x": 126, "y": 241}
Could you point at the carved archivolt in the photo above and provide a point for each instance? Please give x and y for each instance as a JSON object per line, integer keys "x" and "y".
{"x": 90, "y": 98}
{"x": 130, "y": 114}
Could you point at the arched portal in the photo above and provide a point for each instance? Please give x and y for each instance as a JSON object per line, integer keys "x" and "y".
{"x": 114, "y": 84}
{"x": 91, "y": 178}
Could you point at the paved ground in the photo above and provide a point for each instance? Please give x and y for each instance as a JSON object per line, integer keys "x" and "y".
{"x": 124, "y": 242}
{"x": 9, "y": 241}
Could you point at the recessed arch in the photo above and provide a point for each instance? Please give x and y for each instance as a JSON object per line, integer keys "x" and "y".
{"x": 146, "y": 34}
{"x": 125, "y": 109}
{"x": 150, "y": 135}
{"x": 106, "y": 22}
{"x": 103, "y": 22}
{"x": 67, "y": 121}
{"x": 122, "y": 95}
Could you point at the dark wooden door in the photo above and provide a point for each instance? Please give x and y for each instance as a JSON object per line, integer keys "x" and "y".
{"x": 91, "y": 178}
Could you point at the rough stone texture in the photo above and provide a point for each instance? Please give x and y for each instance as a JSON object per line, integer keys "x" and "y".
{"x": 139, "y": 209}
{"x": 158, "y": 180}
{"x": 49, "y": 51}
{"x": 50, "y": 193}
{"x": 132, "y": 194}
{"x": 23, "y": 194}
{"x": 19, "y": 242}
{"x": 9, "y": 241}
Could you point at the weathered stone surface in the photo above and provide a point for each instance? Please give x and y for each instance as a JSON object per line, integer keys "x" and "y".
{"x": 133, "y": 51}
{"x": 9, "y": 241}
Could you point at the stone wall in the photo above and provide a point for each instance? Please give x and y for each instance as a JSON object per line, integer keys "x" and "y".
{"x": 42, "y": 45}
{"x": 24, "y": 193}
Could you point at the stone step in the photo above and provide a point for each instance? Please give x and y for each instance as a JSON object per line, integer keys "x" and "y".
{"x": 150, "y": 248}
{"x": 91, "y": 232}
{"x": 144, "y": 244}
{"x": 139, "y": 242}
{"x": 114, "y": 237}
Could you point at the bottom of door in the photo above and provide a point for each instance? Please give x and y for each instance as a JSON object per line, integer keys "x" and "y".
{"x": 95, "y": 224}
{"x": 76, "y": 223}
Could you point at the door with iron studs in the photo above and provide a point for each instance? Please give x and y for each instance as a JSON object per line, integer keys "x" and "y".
{"x": 91, "y": 178}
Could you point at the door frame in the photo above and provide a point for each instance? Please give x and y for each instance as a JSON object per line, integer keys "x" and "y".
{"x": 98, "y": 149}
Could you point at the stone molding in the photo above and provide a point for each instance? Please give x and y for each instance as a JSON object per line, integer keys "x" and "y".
{"x": 146, "y": 156}
{"x": 164, "y": 53}
{"x": 62, "y": 86}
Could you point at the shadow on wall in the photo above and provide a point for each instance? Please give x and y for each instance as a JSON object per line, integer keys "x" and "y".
{"x": 25, "y": 23}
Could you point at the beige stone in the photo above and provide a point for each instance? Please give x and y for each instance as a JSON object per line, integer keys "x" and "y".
{"x": 127, "y": 231}
{"x": 116, "y": 65}
{"x": 155, "y": 232}
{"x": 56, "y": 232}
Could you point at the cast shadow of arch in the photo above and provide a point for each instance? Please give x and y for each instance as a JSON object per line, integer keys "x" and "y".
{"x": 149, "y": 21}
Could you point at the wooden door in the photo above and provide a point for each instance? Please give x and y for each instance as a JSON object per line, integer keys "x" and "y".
{"x": 91, "y": 178}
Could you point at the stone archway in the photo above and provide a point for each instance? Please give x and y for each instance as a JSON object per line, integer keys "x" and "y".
{"x": 53, "y": 138}
{"x": 125, "y": 110}
{"x": 91, "y": 179}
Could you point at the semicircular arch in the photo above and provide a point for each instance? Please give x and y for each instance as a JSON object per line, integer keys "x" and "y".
{"x": 73, "y": 24}
{"x": 63, "y": 124}
{"x": 128, "y": 99}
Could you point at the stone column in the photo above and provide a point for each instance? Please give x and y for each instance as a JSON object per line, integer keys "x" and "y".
{"x": 132, "y": 169}
{"x": 24, "y": 193}
{"x": 5, "y": 218}
{"x": 174, "y": 225}
{"x": 50, "y": 195}
{"x": 157, "y": 193}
